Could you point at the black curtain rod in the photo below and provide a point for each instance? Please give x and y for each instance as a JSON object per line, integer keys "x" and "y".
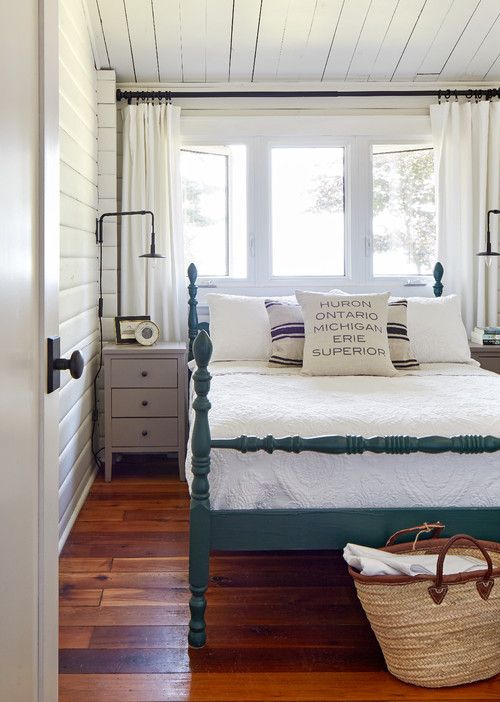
{"x": 469, "y": 93}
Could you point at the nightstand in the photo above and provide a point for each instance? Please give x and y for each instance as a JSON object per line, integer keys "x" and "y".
{"x": 488, "y": 356}
{"x": 145, "y": 400}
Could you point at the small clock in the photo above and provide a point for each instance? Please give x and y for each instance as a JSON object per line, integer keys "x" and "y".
{"x": 147, "y": 333}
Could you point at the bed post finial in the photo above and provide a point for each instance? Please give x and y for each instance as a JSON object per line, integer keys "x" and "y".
{"x": 192, "y": 302}
{"x": 438, "y": 273}
{"x": 199, "y": 515}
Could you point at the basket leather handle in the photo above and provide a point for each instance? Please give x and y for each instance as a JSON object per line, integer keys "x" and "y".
{"x": 434, "y": 529}
{"x": 484, "y": 586}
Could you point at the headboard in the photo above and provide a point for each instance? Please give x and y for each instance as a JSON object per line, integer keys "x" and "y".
{"x": 194, "y": 326}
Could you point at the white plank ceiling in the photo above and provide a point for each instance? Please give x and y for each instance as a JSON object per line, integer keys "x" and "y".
{"x": 174, "y": 41}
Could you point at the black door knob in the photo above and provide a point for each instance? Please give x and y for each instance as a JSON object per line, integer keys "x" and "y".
{"x": 144, "y": 432}
{"x": 74, "y": 364}
{"x": 145, "y": 403}
{"x": 144, "y": 373}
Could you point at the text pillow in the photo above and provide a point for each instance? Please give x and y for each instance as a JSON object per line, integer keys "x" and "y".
{"x": 402, "y": 356}
{"x": 345, "y": 334}
{"x": 437, "y": 333}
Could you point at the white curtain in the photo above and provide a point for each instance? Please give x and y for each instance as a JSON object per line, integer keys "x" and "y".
{"x": 467, "y": 155}
{"x": 151, "y": 181}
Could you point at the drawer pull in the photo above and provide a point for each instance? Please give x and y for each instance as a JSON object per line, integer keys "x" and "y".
{"x": 145, "y": 403}
{"x": 144, "y": 432}
{"x": 144, "y": 373}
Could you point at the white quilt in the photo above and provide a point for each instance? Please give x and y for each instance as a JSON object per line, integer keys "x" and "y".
{"x": 443, "y": 399}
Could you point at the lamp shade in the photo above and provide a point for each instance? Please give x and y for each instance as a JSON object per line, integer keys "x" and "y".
{"x": 152, "y": 250}
{"x": 489, "y": 256}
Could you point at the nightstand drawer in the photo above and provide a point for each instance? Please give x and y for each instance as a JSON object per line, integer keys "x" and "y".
{"x": 144, "y": 373}
{"x": 488, "y": 356}
{"x": 144, "y": 432}
{"x": 146, "y": 402}
{"x": 489, "y": 362}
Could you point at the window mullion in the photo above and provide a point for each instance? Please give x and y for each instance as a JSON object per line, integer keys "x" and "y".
{"x": 360, "y": 202}
{"x": 260, "y": 233}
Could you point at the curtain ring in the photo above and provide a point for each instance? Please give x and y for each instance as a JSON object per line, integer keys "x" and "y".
{"x": 469, "y": 94}
{"x": 439, "y": 97}
{"x": 456, "y": 96}
{"x": 447, "y": 95}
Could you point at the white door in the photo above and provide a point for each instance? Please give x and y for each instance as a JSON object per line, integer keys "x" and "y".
{"x": 29, "y": 270}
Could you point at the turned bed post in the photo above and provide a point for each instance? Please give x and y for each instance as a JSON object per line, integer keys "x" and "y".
{"x": 192, "y": 272}
{"x": 438, "y": 273}
{"x": 199, "y": 515}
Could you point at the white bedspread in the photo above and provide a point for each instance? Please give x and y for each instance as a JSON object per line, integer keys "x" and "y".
{"x": 443, "y": 399}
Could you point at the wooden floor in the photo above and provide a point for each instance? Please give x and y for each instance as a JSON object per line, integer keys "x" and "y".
{"x": 281, "y": 626}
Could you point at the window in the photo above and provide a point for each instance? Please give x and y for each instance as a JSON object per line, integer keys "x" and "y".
{"x": 307, "y": 192}
{"x": 214, "y": 209}
{"x": 296, "y": 201}
{"x": 404, "y": 227}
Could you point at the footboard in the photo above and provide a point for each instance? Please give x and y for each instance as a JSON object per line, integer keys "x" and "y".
{"x": 240, "y": 530}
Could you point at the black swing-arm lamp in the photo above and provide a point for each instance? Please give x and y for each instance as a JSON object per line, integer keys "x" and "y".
{"x": 99, "y": 240}
{"x": 489, "y": 254}
{"x": 152, "y": 249}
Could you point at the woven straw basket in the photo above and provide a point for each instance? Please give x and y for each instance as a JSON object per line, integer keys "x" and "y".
{"x": 437, "y": 631}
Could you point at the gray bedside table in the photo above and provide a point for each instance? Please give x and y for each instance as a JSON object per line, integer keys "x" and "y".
{"x": 488, "y": 356}
{"x": 145, "y": 400}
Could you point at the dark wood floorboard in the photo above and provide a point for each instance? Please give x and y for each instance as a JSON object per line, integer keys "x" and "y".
{"x": 282, "y": 626}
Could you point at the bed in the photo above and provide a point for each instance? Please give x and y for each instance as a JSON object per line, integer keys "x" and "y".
{"x": 355, "y": 485}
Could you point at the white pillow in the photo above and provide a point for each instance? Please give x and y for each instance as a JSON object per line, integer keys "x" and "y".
{"x": 239, "y": 327}
{"x": 437, "y": 333}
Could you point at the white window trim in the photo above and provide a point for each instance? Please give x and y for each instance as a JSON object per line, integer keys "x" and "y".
{"x": 386, "y": 280}
{"x": 357, "y": 135}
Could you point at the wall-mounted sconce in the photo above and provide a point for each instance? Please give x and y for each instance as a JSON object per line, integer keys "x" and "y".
{"x": 99, "y": 239}
{"x": 489, "y": 255}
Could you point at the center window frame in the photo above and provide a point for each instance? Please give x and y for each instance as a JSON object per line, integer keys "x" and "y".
{"x": 267, "y": 264}
{"x": 356, "y": 135}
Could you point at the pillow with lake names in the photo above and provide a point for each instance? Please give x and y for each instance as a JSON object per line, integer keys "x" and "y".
{"x": 345, "y": 334}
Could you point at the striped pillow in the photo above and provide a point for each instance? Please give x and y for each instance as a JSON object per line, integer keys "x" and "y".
{"x": 287, "y": 333}
{"x": 397, "y": 333}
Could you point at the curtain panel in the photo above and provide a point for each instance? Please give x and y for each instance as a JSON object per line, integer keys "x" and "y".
{"x": 151, "y": 181}
{"x": 467, "y": 159}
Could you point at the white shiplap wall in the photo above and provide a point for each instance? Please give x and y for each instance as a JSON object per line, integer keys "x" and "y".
{"x": 107, "y": 202}
{"x": 78, "y": 326}
{"x": 107, "y": 193}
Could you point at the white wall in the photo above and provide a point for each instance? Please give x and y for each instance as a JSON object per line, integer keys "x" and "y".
{"x": 78, "y": 263}
{"x": 107, "y": 202}
{"x": 107, "y": 193}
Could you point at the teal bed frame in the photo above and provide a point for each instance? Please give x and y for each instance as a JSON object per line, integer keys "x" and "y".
{"x": 310, "y": 529}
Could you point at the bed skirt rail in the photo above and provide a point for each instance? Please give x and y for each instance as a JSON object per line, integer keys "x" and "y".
{"x": 327, "y": 529}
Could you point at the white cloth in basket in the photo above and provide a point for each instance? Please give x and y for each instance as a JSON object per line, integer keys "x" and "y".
{"x": 371, "y": 561}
